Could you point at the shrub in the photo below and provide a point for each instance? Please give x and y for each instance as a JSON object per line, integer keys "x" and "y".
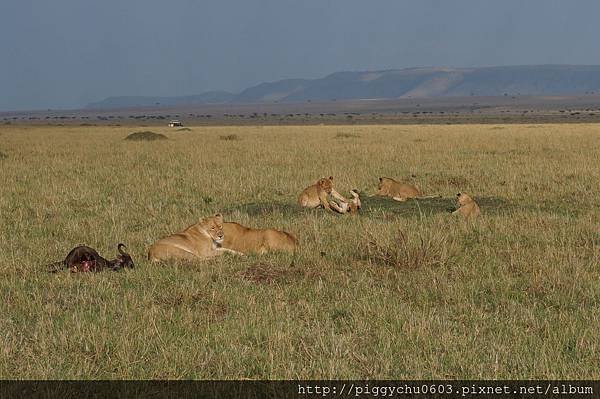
{"x": 346, "y": 135}
{"x": 146, "y": 136}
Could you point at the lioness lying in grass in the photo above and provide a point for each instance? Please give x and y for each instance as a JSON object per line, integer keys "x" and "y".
{"x": 246, "y": 240}
{"x": 199, "y": 241}
{"x": 389, "y": 187}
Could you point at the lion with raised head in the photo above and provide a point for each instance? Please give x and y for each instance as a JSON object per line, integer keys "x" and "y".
{"x": 466, "y": 206}
{"x": 247, "y": 240}
{"x": 316, "y": 195}
{"x": 389, "y": 187}
{"x": 351, "y": 206}
{"x": 201, "y": 240}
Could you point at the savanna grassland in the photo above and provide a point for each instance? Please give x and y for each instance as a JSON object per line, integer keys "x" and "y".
{"x": 403, "y": 290}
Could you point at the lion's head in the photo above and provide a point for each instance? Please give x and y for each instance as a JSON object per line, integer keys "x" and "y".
{"x": 463, "y": 199}
{"x": 326, "y": 184}
{"x": 213, "y": 225}
{"x": 383, "y": 188}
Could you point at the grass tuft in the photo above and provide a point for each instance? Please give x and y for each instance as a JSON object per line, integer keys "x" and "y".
{"x": 229, "y": 137}
{"x": 419, "y": 250}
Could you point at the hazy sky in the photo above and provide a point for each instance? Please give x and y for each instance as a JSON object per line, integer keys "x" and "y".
{"x": 66, "y": 53}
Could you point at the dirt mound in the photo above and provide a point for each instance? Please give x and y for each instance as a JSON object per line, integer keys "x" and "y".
{"x": 146, "y": 136}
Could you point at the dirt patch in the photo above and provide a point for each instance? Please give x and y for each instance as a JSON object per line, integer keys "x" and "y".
{"x": 211, "y": 309}
{"x": 264, "y": 273}
{"x": 146, "y": 135}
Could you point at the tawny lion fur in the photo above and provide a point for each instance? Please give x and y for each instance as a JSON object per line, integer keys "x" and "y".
{"x": 351, "y": 206}
{"x": 315, "y": 196}
{"x": 199, "y": 241}
{"x": 256, "y": 241}
{"x": 467, "y": 207}
{"x": 389, "y": 187}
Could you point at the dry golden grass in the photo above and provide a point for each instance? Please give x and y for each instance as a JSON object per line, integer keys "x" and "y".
{"x": 514, "y": 295}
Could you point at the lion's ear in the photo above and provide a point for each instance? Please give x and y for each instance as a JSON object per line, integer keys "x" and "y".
{"x": 330, "y": 177}
{"x": 219, "y": 217}
{"x": 381, "y": 179}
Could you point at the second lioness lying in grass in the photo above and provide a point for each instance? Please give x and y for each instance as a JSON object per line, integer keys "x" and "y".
{"x": 398, "y": 191}
{"x": 247, "y": 240}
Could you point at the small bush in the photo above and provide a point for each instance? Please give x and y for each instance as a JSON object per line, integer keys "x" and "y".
{"x": 459, "y": 182}
{"x": 229, "y": 137}
{"x": 426, "y": 249}
{"x": 146, "y": 136}
{"x": 3, "y": 155}
{"x": 184, "y": 129}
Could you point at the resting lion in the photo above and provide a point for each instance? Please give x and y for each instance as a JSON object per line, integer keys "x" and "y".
{"x": 399, "y": 191}
{"x": 466, "y": 206}
{"x": 351, "y": 206}
{"x": 199, "y": 241}
{"x": 246, "y": 240}
{"x": 315, "y": 196}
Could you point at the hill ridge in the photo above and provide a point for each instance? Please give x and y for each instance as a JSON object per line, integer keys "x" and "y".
{"x": 414, "y": 82}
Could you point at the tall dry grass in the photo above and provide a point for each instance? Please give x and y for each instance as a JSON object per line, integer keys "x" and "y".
{"x": 514, "y": 295}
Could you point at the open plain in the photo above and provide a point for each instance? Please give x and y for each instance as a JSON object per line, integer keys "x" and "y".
{"x": 402, "y": 290}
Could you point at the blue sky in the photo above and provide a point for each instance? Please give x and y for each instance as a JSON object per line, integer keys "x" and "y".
{"x": 66, "y": 53}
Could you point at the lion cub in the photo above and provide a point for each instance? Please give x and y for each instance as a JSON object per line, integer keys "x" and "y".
{"x": 400, "y": 191}
{"x": 199, "y": 241}
{"x": 257, "y": 241}
{"x": 466, "y": 206}
{"x": 315, "y": 196}
{"x": 351, "y": 206}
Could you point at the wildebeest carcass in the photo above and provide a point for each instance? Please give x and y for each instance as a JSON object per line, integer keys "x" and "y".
{"x": 86, "y": 259}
